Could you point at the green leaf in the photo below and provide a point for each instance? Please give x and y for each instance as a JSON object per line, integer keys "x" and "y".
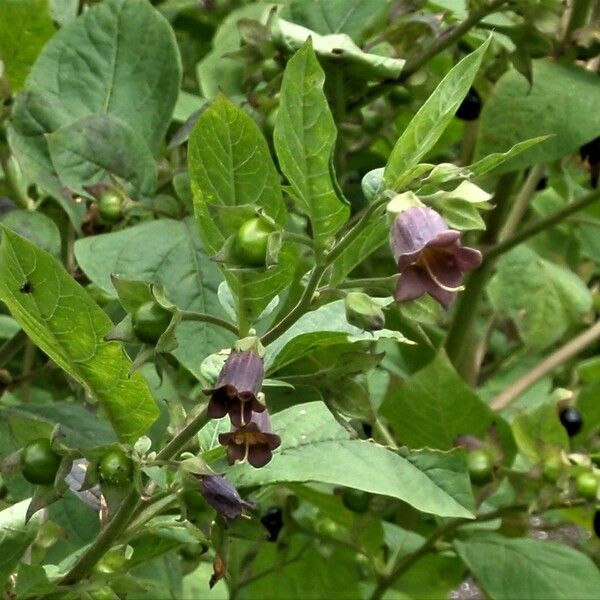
{"x": 81, "y": 427}
{"x": 433, "y": 117}
{"x": 424, "y": 414}
{"x": 61, "y": 318}
{"x": 491, "y": 161}
{"x": 338, "y": 50}
{"x": 557, "y": 105}
{"x": 233, "y": 174}
{"x": 322, "y": 327}
{"x": 315, "y": 447}
{"x": 508, "y": 568}
{"x": 15, "y": 536}
{"x": 109, "y": 60}
{"x": 352, "y": 17}
{"x": 37, "y": 228}
{"x": 25, "y": 26}
{"x": 543, "y": 299}
{"x": 169, "y": 253}
{"x": 94, "y": 148}
{"x": 304, "y": 138}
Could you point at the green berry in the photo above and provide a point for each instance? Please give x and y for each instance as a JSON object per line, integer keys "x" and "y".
{"x": 110, "y": 206}
{"x": 115, "y": 467}
{"x": 39, "y": 463}
{"x": 150, "y": 321}
{"x": 480, "y": 464}
{"x": 586, "y": 485}
{"x": 251, "y": 242}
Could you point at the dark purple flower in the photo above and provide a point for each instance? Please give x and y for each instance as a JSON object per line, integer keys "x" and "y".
{"x": 253, "y": 441}
{"x": 236, "y": 391}
{"x": 223, "y": 497}
{"x": 429, "y": 255}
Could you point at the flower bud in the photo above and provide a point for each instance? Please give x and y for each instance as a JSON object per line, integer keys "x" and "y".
{"x": 363, "y": 312}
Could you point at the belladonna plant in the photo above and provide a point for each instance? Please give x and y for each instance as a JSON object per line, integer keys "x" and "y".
{"x": 223, "y": 497}
{"x": 429, "y": 256}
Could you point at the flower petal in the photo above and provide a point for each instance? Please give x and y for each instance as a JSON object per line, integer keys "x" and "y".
{"x": 259, "y": 455}
{"x": 467, "y": 258}
{"x": 411, "y": 285}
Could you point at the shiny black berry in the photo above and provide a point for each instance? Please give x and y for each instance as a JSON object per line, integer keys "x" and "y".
{"x": 597, "y": 523}
{"x": 591, "y": 151}
{"x": 272, "y": 521}
{"x": 470, "y": 107}
{"x": 571, "y": 420}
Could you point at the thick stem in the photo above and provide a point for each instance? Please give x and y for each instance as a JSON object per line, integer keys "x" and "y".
{"x": 11, "y": 178}
{"x": 563, "y": 354}
{"x": 461, "y": 327}
{"x": 580, "y": 11}
{"x": 129, "y": 507}
{"x": 104, "y": 541}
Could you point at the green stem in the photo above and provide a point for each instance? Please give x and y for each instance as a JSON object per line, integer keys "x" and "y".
{"x": 11, "y": 347}
{"x": 22, "y": 199}
{"x": 188, "y": 315}
{"x": 449, "y": 37}
{"x": 104, "y": 541}
{"x": 521, "y": 203}
{"x": 384, "y": 434}
{"x": 541, "y": 225}
{"x": 407, "y": 561}
{"x": 580, "y": 11}
{"x": 129, "y": 507}
{"x": 298, "y": 238}
{"x": 467, "y": 303}
{"x": 468, "y": 142}
{"x": 317, "y": 273}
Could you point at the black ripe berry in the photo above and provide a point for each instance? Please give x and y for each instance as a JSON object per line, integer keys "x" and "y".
{"x": 542, "y": 184}
{"x": 273, "y": 522}
{"x": 470, "y": 107}
{"x": 571, "y": 420}
{"x": 597, "y": 523}
{"x": 591, "y": 151}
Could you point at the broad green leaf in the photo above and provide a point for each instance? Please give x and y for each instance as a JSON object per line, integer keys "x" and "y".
{"x": 118, "y": 58}
{"x": 170, "y": 253}
{"x": 96, "y": 148}
{"x": 315, "y": 447}
{"x": 25, "y": 26}
{"x": 433, "y": 117}
{"x": 36, "y": 227}
{"x": 538, "y": 431}
{"x": 15, "y": 536}
{"x": 557, "y": 105}
{"x": 304, "y": 138}
{"x": 81, "y": 427}
{"x": 543, "y": 299}
{"x": 61, "y": 318}
{"x": 352, "y": 17}
{"x": 338, "y": 50}
{"x": 508, "y": 568}
{"x": 195, "y": 585}
{"x": 325, "y": 326}
{"x": 434, "y": 406}
{"x": 233, "y": 174}
{"x": 311, "y": 577}
{"x": 492, "y": 161}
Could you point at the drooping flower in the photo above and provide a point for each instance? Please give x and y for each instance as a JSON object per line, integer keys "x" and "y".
{"x": 223, "y": 497}
{"x": 253, "y": 442}
{"x": 429, "y": 256}
{"x": 237, "y": 389}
